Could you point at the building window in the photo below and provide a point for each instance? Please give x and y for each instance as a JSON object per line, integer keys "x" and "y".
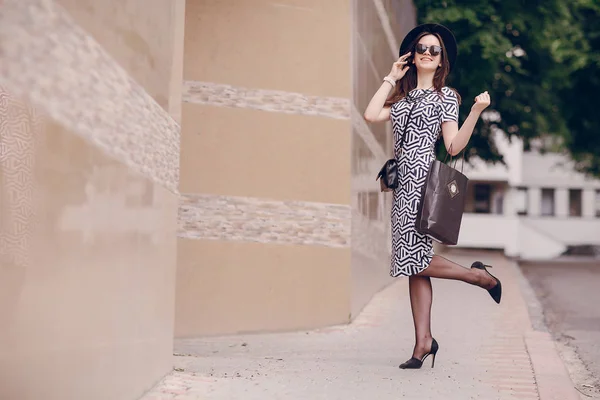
{"x": 369, "y": 205}
{"x": 483, "y": 200}
{"x": 363, "y": 204}
{"x": 374, "y": 209}
{"x": 598, "y": 203}
{"x": 575, "y": 202}
{"x": 521, "y": 201}
{"x": 548, "y": 202}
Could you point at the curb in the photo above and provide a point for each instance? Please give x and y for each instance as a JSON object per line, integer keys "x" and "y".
{"x": 534, "y": 306}
{"x": 551, "y": 375}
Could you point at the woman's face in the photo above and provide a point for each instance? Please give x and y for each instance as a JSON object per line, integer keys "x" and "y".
{"x": 428, "y": 61}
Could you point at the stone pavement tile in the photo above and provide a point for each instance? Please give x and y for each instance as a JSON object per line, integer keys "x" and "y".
{"x": 482, "y": 353}
{"x": 177, "y": 385}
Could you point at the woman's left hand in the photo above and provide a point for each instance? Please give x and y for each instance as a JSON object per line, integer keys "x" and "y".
{"x": 481, "y": 102}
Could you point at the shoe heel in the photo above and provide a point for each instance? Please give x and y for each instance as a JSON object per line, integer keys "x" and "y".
{"x": 496, "y": 291}
{"x": 434, "y": 349}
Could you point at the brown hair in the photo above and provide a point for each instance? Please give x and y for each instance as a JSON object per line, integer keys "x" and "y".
{"x": 409, "y": 81}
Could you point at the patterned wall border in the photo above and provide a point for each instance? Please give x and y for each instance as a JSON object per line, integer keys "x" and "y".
{"x": 20, "y": 128}
{"x": 48, "y": 59}
{"x": 265, "y": 221}
{"x": 222, "y": 95}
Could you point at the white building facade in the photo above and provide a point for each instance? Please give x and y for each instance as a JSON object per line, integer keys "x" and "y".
{"x": 534, "y": 207}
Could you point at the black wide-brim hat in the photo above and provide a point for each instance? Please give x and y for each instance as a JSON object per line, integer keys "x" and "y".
{"x": 445, "y": 33}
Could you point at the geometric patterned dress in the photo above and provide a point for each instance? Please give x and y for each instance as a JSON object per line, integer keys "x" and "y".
{"x": 411, "y": 250}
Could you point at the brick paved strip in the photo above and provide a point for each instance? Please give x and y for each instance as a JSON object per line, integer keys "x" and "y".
{"x": 504, "y": 355}
{"x": 551, "y": 375}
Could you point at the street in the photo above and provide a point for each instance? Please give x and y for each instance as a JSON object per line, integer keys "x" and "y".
{"x": 570, "y": 294}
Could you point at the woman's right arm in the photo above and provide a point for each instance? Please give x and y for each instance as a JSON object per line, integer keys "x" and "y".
{"x": 376, "y": 110}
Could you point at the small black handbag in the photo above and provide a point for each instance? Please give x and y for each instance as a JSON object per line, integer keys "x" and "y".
{"x": 389, "y": 175}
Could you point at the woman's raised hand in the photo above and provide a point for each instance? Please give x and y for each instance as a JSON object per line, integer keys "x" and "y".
{"x": 481, "y": 102}
{"x": 399, "y": 68}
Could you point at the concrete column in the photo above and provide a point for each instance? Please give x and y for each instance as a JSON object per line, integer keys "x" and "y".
{"x": 534, "y": 201}
{"x": 562, "y": 202}
{"x": 103, "y": 244}
{"x": 588, "y": 203}
{"x": 511, "y": 248}
{"x": 176, "y": 70}
{"x": 509, "y": 202}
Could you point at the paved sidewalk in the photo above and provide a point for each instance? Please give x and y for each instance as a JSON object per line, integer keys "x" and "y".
{"x": 483, "y": 353}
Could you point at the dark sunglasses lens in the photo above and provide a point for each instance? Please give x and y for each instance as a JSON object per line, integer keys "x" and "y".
{"x": 433, "y": 50}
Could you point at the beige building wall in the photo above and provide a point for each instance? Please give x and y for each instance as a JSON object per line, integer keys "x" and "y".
{"x": 378, "y": 29}
{"x": 265, "y": 174}
{"x": 89, "y": 166}
{"x": 271, "y": 231}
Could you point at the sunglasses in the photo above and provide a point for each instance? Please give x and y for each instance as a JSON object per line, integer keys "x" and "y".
{"x": 433, "y": 50}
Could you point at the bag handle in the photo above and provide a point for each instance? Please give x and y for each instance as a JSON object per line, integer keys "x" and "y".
{"x": 449, "y": 153}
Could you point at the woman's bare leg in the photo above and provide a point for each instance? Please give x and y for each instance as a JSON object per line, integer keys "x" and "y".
{"x": 421, "y": 297}
{"x": 443, "y": 268}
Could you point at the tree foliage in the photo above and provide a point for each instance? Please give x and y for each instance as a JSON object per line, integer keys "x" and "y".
{"x": 540, "y": 62}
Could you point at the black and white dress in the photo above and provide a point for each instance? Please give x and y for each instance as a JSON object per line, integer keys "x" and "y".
{"x": 411, "y": 250}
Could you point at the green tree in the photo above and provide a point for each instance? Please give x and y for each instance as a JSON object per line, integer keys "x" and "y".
{"x": 581, "y": 97}
{"x": 539, "y": 61}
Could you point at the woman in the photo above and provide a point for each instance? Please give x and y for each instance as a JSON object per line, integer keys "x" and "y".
{"x": 421, "y": 108}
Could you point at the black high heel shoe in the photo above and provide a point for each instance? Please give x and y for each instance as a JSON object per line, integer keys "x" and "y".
{"x": 496, "y": 291}
{"x": 415, "y": 363}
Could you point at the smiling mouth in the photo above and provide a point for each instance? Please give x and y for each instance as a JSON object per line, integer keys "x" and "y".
{"x": 426, "y": 59}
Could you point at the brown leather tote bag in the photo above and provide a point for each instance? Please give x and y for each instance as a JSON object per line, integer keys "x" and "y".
{"x": 442, "y": 203}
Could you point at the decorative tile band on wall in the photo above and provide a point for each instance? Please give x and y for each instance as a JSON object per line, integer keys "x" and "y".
{"x": 216, "y": 94}
{"x": 49, "y": 60}
{"x": 20, "y": 127}
{"x": 265, "y": 221}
